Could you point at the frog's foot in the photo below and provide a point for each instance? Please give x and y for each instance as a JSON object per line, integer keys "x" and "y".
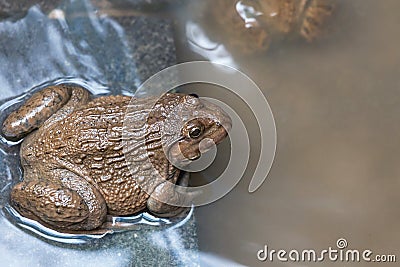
{"x": 58, "y": 206}
{"x": 42, "y": 105}
{"x": 166, "y": 193}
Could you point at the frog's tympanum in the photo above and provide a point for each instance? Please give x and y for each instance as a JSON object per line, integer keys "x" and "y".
{"x": 74, "y": 158}
{"x": 253, "y": 24}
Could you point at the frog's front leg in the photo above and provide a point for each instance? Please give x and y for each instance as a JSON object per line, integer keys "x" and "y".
{"x": 50, "y": 104}
{"x": 165, "y": 191}
{"x": 72, "y": 204}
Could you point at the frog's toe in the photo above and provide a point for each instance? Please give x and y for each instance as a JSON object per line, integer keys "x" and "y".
{"x": 169, "y": 201}
{"x": 164, "y": 210}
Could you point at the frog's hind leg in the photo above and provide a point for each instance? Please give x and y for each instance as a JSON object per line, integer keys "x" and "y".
{"x": 165, "y": 192}
{"x": 49, "y": 104}
{"x": 72, "y": 204}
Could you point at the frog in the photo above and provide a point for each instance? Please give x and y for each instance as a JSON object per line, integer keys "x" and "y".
{"x": 252, "y": 26}
{"x": 81, "y": 163}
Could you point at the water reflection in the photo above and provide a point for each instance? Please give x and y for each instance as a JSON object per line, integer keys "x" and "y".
{"x": 200, "y": 43}
{"x": 336, "y": 104}
{"x": 114, "y": 224}
{"x": 248, "y": 13}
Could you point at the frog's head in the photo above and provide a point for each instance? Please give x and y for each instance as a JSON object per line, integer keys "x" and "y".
{"x": 193, "y": 127}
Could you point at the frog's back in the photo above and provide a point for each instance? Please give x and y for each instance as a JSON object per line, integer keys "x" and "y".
{"x": 92, "y": 129}
{"x": 90, "y": 142}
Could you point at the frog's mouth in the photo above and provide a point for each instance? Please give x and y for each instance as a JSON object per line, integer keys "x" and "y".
{"x": 186, "y": 150}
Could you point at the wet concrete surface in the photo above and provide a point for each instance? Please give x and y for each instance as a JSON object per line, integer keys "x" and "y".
{"x": 114, "y": 55}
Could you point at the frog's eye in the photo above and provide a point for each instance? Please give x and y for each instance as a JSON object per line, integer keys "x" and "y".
{"x": 195, "y": 132}
{"x": 194, "y": 129}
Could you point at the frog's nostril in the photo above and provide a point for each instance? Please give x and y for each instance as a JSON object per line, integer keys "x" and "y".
{"x": 194, "y": 95}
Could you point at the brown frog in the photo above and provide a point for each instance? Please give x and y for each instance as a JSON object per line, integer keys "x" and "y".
{"x": 252, "y": 25}
{"x": 81, "y": 162}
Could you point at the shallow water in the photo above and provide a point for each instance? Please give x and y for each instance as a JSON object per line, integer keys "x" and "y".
{"x": 336, "y": 107}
